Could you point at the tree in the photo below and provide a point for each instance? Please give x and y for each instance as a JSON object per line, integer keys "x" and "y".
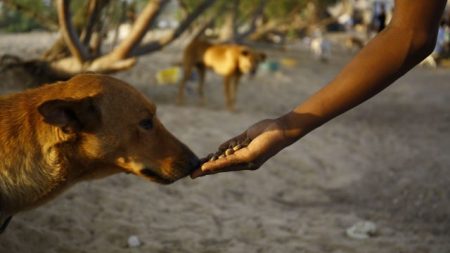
{"x": 241, "y": 20}
{"x": 79, "y": 47}
{"x": 25, "y": 15}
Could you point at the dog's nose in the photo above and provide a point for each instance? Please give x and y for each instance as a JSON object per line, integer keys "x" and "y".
{"x": 194, "y": 163}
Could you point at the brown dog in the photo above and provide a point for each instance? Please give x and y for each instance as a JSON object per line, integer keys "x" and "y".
{"x": 89, "y": 127}
{"x": 227, "y": 60}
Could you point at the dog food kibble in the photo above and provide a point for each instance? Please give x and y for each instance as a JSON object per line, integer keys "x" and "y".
{"x": 237, "y": 147}
{"x": 229, "y": 151}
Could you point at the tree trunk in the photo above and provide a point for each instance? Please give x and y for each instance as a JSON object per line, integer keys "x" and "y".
{"x": 228, "y": 30}
{"x": 72, "y": 54}
{"x": 257, "y": 19}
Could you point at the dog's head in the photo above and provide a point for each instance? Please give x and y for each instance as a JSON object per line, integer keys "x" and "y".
{"x": 249, "y": 60}
{"x": 106, "y": 126}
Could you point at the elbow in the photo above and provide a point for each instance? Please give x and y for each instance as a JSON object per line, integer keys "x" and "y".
{"x": 423, "y": 44}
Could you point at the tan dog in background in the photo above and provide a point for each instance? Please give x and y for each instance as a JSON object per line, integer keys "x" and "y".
{"x": 89, "y": 127}
{"x": 227, "y": 60}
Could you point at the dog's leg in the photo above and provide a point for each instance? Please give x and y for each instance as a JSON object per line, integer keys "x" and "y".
{"x": 233, "y": 90}
{"x": 201, "y": 69}
{"x": 187, "y": 71}
{"x": 229, "y": 88}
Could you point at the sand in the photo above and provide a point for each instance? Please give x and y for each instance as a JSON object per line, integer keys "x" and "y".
{"x": 386, "y": 162}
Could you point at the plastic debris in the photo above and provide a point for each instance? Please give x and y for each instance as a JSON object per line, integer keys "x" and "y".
{"x": 362, "y": 230}
{"x": 288, "y": 62}
{"x": 168, "y": 76}
{"x": 133, "y": 241}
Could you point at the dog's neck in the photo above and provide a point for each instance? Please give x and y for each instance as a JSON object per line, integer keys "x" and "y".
{"x": 28, "y": 170}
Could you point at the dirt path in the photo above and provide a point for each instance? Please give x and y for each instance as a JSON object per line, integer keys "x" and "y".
{"x": 386, "y": 161}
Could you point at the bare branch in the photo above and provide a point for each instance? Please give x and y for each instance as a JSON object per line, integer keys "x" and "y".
{"x": 140, "y": 27}
{"x": 228, "y": 30}
{"x": 70, "y": 36}
{"x": 157, "y": 45}
{"x": 184, "y": 8}
{"x": 106, "y": 64}
{"x": 57, "y": 51}
{"x": 259, "y": 10}
{"x": 280, "y": 25}
{"x": 94, "y": 8}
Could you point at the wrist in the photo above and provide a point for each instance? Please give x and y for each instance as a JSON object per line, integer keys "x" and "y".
{"x": 296, "y": 125}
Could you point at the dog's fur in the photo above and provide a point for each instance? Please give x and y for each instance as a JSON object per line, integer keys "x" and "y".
{"x": 89, "y": 127}
{"x": 227, "y": 60}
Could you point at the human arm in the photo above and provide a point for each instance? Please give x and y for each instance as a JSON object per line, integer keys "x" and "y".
{"x": 406, "y": 41}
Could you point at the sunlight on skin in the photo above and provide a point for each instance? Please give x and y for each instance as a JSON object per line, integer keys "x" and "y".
{"x": 407, "y": 40}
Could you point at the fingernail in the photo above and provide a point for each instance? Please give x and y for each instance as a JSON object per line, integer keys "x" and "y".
{"x": 213, "y": 158}
{"x": 221, "y": 156}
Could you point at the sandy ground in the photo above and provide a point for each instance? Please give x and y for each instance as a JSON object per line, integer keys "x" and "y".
{"x": 386, "y": 161}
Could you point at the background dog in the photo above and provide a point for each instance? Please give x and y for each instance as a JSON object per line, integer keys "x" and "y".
{"x": 89, "y": 127}
{"x": 227, "y": 60}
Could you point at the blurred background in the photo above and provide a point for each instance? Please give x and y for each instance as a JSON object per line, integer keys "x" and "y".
{"x": 381, "y": 170}
{"x": 103, "y": 30}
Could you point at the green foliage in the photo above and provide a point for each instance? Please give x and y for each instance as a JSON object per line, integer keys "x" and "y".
{"x": 282, "y": 9}
{"x": 275, "y": 9}
{"x": 14, "y": 22}
{"x": 20, "y": 18}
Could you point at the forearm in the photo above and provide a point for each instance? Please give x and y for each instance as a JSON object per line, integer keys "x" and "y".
{"x": 387, "y": 57}
{"x": 405, "y": 42}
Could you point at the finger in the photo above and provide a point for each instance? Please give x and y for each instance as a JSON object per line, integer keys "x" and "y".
{"x": 233, "y": 142}
{"x": 246, "y": 142}
{"x": 206, "y": 158}
{"x": 221, "y": 162}
{"x": 235, "y": 161}
{"x": 245, "y": 166}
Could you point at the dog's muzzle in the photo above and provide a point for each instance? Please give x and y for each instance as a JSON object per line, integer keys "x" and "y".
{"x": 179, "y": 171}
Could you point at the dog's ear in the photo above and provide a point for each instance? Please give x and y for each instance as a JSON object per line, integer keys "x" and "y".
{"x": 71, "y": 115}
{"x": 245, "y": 52}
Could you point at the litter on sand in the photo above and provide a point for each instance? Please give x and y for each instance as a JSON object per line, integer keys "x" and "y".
{"x": 168, "y": 76}
{"x": 362, "y": 230}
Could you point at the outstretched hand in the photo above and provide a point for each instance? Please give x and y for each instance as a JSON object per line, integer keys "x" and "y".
{"x": 247, "y": 151}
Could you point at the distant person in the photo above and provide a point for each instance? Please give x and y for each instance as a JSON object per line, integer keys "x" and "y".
{"x": 320, "y": 47}
{"x": 381, "y": 18}
{"x": 406, "y": 41}
{"x": 439, "y": 49}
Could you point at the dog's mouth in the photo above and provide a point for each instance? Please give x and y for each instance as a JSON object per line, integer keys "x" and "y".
{"x": 177, "y": 170}
{"x": 155, "y": 176}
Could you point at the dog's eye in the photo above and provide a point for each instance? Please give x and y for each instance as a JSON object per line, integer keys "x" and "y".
{"x": 147, "y": 124}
